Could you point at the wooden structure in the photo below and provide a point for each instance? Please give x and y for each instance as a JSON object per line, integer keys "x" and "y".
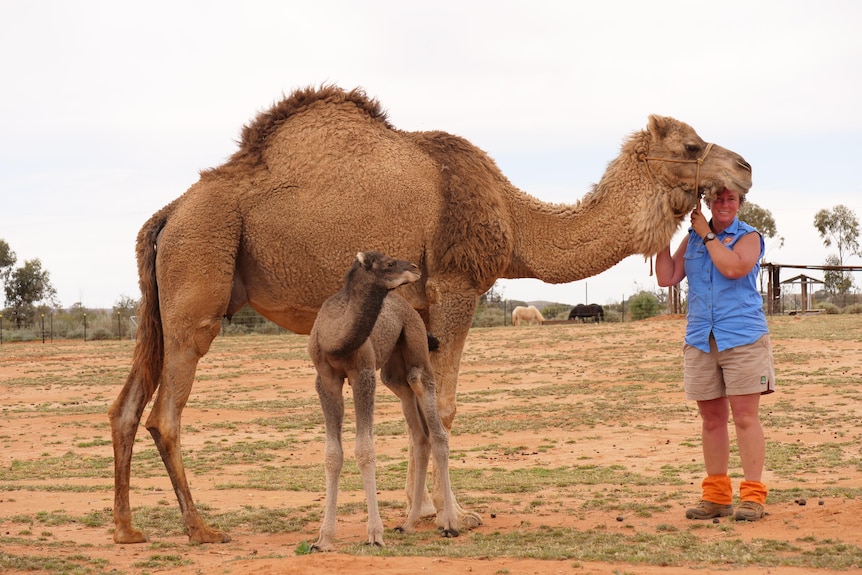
{"x": 773, "y": 290}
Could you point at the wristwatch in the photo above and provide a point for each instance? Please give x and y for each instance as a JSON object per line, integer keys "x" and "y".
{"x": 708, "y": 237}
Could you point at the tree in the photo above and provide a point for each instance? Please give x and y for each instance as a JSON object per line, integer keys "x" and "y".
{"x": 7, "y": 260}
{"x": 762, "y": 219}
{"x": 643, "y": 305}
{"x": 125, "y": 306}
{"x": 26, "y": 286}
{"x": 835, "y": 281}
{"x": 493, "y": 295}
{"x": 841, "y": 227}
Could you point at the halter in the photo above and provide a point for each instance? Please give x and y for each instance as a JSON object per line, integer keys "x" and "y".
{"x": 698, "y": 161}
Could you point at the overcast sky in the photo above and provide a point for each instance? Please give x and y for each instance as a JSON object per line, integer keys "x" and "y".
{"x": 110, "y": 109}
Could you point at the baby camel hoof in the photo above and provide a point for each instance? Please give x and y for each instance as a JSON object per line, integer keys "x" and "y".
{"x": 448, "y": 533}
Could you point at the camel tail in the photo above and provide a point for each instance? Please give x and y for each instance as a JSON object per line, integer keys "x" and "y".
{"x": 149, "y": 354}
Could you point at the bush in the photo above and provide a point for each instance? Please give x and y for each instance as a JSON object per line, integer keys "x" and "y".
{"x": 643, "y": 305}
{"x": 829, "y": 308}
{"x": 100, "y": 333}
{"x": 855, "y": 308}
{"x": 488, "y": 317}
{"x": 613, "y": 315}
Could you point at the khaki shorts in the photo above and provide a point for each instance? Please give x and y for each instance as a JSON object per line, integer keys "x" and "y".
{"x": 741, "y": 370}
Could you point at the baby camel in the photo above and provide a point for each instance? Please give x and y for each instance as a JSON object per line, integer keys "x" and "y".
{"x": 360, "y": 329}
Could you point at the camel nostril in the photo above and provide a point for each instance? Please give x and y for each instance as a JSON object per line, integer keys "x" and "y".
{"x": 744, "y": 164}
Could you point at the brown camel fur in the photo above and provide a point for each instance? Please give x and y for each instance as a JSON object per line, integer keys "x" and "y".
{"x": 358, "y": 330}
{"x": 527, "y": 314}
{"x": 323, "y": 174}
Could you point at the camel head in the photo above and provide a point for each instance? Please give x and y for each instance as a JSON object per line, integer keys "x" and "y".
{"x": 678, "y": 167}
{"x": 388, "y": 272}
{"x": 690, "y": 168}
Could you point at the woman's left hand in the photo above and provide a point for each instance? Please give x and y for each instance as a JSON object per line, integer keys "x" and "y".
{"x": 699, "y": 222}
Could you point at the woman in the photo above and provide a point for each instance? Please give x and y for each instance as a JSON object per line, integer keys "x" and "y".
{"x": 727, "y": 353}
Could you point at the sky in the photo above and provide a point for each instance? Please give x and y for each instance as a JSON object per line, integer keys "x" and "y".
{"x": 110, "y": 109}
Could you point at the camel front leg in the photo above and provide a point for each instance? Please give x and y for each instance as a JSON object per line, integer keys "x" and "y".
{"x": 329, "y": 392}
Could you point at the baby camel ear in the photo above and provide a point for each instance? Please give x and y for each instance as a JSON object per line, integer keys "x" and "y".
{"x": 360, "y": 257}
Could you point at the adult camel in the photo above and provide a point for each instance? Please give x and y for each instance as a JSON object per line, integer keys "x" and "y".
{"x": 323, "y": 174}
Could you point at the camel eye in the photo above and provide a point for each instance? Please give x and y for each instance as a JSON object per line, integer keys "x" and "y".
{"x": 692, "y": 148}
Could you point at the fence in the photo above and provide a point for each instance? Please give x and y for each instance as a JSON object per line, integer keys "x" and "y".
{"x": 105, "y": 325}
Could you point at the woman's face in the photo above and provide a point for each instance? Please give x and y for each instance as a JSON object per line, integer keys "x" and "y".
{"x": 724, "y": 208}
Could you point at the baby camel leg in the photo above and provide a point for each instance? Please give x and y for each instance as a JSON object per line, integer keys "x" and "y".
{"x": 366, "y": 460}
{"x": 419, "y": 447}
{"x": 424, "y": 388}
{"x": 332, "y": 403}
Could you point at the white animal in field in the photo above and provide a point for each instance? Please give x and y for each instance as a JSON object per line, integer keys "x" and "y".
{"x": 528, "y": 315}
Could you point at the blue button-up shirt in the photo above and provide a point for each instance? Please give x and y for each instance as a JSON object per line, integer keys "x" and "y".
{"x": 729, "y": 309}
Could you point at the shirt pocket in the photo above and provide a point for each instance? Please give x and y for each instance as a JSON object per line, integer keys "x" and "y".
{"x": 695, "y": 252}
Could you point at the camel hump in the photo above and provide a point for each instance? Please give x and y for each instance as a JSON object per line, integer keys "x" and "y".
{"x": 254, "y": 137}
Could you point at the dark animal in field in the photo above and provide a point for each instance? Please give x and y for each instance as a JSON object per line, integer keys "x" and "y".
{"x": 582, "y": 312}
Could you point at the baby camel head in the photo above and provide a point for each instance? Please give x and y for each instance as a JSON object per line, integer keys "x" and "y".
{"x": 387, "y": 272}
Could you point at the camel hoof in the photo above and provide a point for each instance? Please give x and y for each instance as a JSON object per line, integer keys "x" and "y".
{"x": 399, "y": 530}
{"x": 469, "y": 520}
{"x": 129, "y": 535}
{"x": 209, "y": 536}
{"x": 449, "y": 533}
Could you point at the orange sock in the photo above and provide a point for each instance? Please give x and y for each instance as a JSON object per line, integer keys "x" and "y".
{"x": 717, "y": 489}
{"x": 752, "y": 491}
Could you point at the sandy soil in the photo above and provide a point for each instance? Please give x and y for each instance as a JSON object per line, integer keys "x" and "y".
{"x": 56, "y": 395}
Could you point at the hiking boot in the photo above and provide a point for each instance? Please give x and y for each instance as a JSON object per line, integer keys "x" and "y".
{"x": 749, "y": 511}
{"x": 708, "y": 510}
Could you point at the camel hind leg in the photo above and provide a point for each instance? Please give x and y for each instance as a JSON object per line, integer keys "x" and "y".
{"x": 125, "y": 415}
{"x": 423, "y": 387}
{"x": 428, "y": 438}
{"x": 163, "y": 423}
{"x": 394, "y": 377}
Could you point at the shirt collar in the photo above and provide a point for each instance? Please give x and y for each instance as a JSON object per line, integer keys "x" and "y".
{"x": 730, "y": 230}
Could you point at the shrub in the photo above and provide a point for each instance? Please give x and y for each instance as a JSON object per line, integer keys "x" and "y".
{"x": 829, "y": 308}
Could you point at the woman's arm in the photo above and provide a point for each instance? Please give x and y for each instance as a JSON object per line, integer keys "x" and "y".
{"x": 669, "y": 270}
{"x": 737, "y": 262}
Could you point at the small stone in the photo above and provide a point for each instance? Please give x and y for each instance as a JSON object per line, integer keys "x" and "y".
{"x": 493, "y": 516}
{"x": 619, "y": 517}
{"x": 821, "y": 502}
{"x": 715, "y": 520}
{"x": 801, "y": 501}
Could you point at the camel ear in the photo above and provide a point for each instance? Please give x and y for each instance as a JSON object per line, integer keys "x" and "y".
{"x": 360, "y": 257}
{"x": 658, "y": 125}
